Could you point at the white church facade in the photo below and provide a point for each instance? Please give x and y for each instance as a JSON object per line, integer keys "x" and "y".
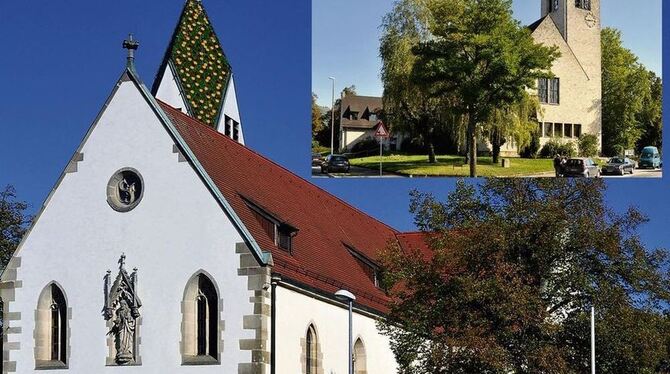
{"x": 571, "y": 101}
{"x": 167, "y": 246}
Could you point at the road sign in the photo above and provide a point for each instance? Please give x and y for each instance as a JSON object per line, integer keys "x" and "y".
{"x": 381, "y": 131}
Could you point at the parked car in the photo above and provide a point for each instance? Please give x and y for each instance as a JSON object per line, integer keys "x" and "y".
{"x": 335, "y": 163}
{"x": 581, "y": 167}
{"x": 317, "y": 159}
{"x": 650, "y": 158}
{"x": 619, "y": 165}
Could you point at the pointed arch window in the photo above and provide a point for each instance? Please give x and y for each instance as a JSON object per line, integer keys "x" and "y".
{"x": 51, "y": 325}
{"x": 200, "y": 322}
{"x": 311, "y": 359}
{"x": 360, "y": 361}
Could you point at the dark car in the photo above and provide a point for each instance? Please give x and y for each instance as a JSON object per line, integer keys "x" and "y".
{"x": 335, "y": 163}
{"x": 619, "y": 165}
{"x": 581, "y": 167}
{"x": 317, "y": 159}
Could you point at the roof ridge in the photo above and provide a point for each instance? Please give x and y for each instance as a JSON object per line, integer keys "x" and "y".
{"x": 247, "y": 149}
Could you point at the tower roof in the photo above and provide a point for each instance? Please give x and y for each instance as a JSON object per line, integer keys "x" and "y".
{"x": 200, "y": 65}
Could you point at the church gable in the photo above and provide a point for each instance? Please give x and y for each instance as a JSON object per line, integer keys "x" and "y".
{"x": 546, "y": 32}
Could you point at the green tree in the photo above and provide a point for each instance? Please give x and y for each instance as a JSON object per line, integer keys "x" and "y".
{"x": 317, "y": 117}
{"x": 517, "y": 121}
{"x": 651, "y": 115}
{"x": 513, "y": 268}
{"x": 481, "y": 55}
{"x": 407, "y": 104}
{"x": 13, "y": 223}
{"x": 625, "y": 87}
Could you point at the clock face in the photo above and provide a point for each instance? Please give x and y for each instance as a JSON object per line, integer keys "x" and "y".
{"x": 590, "y": 20}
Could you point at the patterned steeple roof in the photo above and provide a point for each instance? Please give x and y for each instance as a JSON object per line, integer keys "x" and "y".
{"x": 202, "y": 69}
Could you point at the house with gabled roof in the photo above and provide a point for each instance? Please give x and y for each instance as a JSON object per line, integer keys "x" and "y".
{"x": 359, "y": 118}
{"x": 167, "y": 245}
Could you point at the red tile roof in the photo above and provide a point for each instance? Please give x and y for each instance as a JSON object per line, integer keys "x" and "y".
{"x": 319, "y": 257}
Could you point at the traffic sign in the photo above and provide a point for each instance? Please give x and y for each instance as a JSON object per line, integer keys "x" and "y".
{"x": 381, "y": 132}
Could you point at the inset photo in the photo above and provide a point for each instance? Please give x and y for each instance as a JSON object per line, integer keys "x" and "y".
{"x": 461, "y": 88}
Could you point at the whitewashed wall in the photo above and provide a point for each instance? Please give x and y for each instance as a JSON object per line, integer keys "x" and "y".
{"x": 176, "y": 230}
{"x": 295, "y": 311}
{"x": 168, "y": 90}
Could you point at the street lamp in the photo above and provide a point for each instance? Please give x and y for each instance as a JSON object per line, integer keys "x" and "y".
{"x": 348, "y": 297}
{"x": 332, "y": 118}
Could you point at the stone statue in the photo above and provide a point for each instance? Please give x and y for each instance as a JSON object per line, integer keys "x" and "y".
{"x": 122, "y": 308}
{"x": 124, "y": 334}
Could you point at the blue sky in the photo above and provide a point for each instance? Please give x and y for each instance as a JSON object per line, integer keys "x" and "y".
{"x": 345, "y": 43}
{"x": 61, "y": 61}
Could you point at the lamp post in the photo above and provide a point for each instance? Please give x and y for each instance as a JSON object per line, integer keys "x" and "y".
{"x": 593, "y": 340}
{"x": 349, "y": 298}
{"x": 332, "y": 118}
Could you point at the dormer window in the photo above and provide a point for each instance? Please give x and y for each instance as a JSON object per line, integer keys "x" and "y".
{"x": 279, "y": 231}
{"x": 370, "y": 268}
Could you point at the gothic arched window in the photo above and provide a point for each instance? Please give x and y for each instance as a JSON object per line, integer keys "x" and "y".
{"x": 311, "y": 352}
{"x": 51, "y": 327}
{"x": 200, "y": 321}
{"x": 360, "y": 361}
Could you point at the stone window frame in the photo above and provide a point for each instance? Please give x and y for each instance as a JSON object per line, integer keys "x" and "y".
{"x": 188, "y": 344}
{"x": 43, "y": 329}
{"x": 318, "y": 369}
{"x": 358, "y": 358}
{"x": 583, "y": 4}
{"x": 112, "y": 195}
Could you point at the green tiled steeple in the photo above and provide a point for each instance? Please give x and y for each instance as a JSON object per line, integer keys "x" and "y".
{"x": 202, "y": 70}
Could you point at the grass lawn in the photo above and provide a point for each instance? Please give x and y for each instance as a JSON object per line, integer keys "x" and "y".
{"x": 453, "y": 166}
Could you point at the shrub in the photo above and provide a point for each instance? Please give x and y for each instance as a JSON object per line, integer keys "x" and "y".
{"x": 555, "y": 147}
{"x": 366, "y": 144}
{"x": 588, "y": 145}
{"x": 412, "y": 146}
{"x": 531, "y": 150}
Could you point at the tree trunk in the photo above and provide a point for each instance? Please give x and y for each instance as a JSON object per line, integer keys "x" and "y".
{"x": 495, "y": 145}
{"x": 472, "y": 140}
{"x": 431, "y": 145}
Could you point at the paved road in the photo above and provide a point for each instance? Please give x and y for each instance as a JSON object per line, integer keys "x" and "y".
{"x": 354, "y": 172}
{"x": 359, "y": 172}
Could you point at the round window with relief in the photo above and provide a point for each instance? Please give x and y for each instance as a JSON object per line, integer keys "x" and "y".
{"x": 125, "y": 190}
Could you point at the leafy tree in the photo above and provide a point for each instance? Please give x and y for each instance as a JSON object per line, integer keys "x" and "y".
{"x": 481, "y": 55}
{"x": 13, "y": 223}
{"x": 513, "y": 268}
{"x": 588, "y": 145}
{"x": 651, "y": 116}
{"x": 407, "y": 103}
{"x": 317, "y": 120}
{"x": 625, "y": 87}
{"x": 517, "y": 121}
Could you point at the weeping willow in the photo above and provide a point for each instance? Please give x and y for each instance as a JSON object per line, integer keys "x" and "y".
{"x": 517, "y": 122}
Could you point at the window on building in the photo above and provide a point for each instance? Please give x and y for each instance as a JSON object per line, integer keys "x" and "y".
{"x": 548, "y": 129}
{"x": 542, "y": 90}
{"x": 567, "y": 130}
{"x": 229, "y": 125}
{"x": 554, "y": 91}
{"x": 366, "y": 114}
{"x": 583, "y": 4}
{"x": 236, "y": 130}
{"x": 577, "y": 130}
{"x": 200, "y": 321}
{"x": 548, "y": 90}
{"x": 281, "y": 233}
{"x": 558, "y": 130}
{"x": 353, "y": 116}
{"x": 311, "y": 351}
{"x": 51, "y": 352}
{"x": 360, "y": 364}
{"x": 371, "y": 269}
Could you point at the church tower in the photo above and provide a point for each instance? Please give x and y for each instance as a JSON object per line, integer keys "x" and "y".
{"x": 579, "y": 23}
{"x": 195, "y": 75}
